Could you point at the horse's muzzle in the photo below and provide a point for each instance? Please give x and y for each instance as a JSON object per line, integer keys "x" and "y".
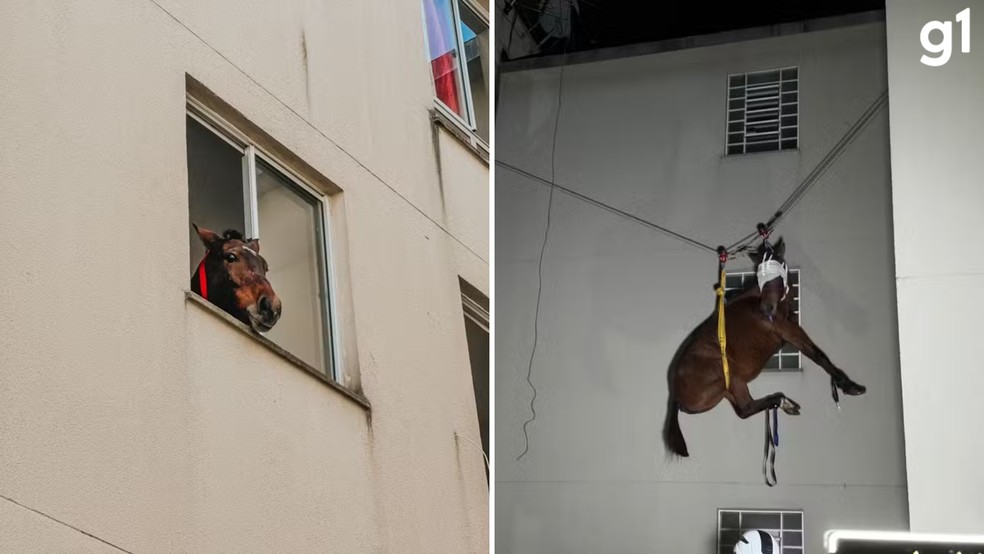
{"x": 265, "y": 313}
{"x": 768, "y": 310}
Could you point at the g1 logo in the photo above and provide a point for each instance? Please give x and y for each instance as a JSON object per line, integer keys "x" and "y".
{"x": 943, "y": 47}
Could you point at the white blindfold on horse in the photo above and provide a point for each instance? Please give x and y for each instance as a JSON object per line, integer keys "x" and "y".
{"x": 769, "y": 269}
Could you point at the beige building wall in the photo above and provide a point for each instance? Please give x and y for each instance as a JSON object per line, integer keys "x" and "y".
{"x": 137, "y": 416}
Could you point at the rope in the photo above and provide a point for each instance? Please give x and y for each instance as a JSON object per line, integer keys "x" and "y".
{"x": 539, "y": 267}
{"x": 722, "y": 335}
{"x": 791, "y": 201}
{"x": 600, "y": 204}
{"x": 771, "y": 444}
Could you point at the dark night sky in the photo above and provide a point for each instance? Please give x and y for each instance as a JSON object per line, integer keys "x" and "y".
{"x": 606, "y": 23}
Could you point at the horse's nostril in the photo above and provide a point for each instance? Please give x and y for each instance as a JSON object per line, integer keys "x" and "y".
{"x": 265, "y": 304}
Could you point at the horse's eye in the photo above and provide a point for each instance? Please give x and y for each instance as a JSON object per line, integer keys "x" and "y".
{"x": 230, "y": 257}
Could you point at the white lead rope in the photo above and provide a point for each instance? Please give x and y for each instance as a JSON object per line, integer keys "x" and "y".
{"x": 771, "y": 444}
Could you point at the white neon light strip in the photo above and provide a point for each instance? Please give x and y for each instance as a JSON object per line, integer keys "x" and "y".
{"x": 832, "y": 538}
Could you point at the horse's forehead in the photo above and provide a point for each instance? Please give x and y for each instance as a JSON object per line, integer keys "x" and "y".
{"x": 234, "y": 244}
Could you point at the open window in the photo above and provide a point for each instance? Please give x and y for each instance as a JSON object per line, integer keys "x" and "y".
{"x": 234, "y": 184}
{"x": 476, "y": 309}
{"x": 458, "y": 49}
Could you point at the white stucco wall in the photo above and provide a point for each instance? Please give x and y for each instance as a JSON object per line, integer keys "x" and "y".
{"x": 132, "y": 414}
{"x": 936, "y": 122}
{"x": 646, "y": 134}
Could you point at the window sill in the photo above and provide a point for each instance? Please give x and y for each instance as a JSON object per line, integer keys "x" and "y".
{"x": 755, "y": 154}
{"x": 278, "y": 350}
{"x": 441, "y": 117}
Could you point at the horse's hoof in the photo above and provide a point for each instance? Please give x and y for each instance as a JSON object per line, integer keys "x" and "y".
{"x": 790, "y": 407}
{"x": 853, "y": 389}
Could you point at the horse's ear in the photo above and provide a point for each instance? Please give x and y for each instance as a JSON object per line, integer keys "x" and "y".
{"x": 209, "y": 238}
{"x": 756, "y": 257}
{"x": 254, "y": 245}
{"x": 780, "y": 248}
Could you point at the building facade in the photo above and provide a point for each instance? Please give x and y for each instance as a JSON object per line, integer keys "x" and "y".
{"x": 672, "y": 137}
{"x": 936, "y": 201}
{"x": 136, "y": 416}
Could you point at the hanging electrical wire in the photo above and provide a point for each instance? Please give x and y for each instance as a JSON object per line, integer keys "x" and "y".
{"x": 543, "y": 248}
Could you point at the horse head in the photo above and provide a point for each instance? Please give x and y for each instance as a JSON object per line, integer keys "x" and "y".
{"x": 232, "y": 275}
{"x": 772, "y": 273}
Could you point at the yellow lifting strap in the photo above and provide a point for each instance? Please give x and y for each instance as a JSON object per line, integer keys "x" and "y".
{"x": 722, "y": 336}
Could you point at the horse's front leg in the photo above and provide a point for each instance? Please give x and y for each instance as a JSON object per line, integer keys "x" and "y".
{"x": 746, "y": 406}
{"x": 796, "y": 336}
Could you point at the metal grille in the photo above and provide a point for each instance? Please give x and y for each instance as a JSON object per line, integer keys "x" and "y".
{"x": 763, "y": 111}
{"x": 788, "y": 358}
{"x": 785, "y": 525}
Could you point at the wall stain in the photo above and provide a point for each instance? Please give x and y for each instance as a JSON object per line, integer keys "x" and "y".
{"x": 304, "y": 61}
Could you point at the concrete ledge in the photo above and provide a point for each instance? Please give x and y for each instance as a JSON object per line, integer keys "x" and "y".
{"x": 277, "y": 349}
{"x": 464, "y": 136}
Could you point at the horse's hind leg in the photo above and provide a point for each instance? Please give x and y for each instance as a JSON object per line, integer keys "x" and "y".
{"x": 746, "y": 406}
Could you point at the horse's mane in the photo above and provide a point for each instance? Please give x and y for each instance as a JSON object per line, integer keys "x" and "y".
{"x": 231, "y": 234}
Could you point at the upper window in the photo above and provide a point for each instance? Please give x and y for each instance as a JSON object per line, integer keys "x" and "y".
{"x": 763, "y": 111}
{"x": 458, "y": 45}
{"x": 788, "y": 358}
{"x": 233, "y": 185}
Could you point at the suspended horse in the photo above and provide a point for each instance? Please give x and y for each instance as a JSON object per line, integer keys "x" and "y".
{"x": 758, "y": 322}
{"x": 232, "y": 275}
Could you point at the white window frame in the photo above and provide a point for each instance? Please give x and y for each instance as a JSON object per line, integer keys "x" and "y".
{"x": 794, "y": 292}
{"x": 744, "y": 108}
{"x": 253, "y": 152}
{"x": 778, "y": 533}
{"x": 469, "y": 125}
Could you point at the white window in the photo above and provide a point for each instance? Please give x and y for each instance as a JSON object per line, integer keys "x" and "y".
{"x": 458, "y": 50}
{"x": 233, "y": 184}
{"x": 788, "y": 358}
{"x": 785, "y": 525}
{"x": 763, "y": 111}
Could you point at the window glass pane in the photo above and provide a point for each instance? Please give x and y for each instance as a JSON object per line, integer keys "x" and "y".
{"x": 215, "y": 185}
{"x": 478, "y": 353}
{"x": 763, "y": 77}
{"x": 442, "y": 42}
{"x": 760, "y": 520}
{"x": 290, "y": 240}
{"x": 792, "y": 538}
{"x": 475, "y": 35}
{"x": 729, "y": 520}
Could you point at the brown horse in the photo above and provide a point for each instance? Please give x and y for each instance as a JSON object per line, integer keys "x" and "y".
{"x": 757, "y": 324}
{"x": 232, "y": 275}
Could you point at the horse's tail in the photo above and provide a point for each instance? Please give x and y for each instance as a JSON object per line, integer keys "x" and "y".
{"x": 672, "y": 435}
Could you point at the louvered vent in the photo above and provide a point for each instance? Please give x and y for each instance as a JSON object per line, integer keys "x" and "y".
{"x": 763, "y": 111}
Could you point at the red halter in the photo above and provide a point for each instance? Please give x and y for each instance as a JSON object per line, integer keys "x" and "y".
{"x": 202, "y": 279}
